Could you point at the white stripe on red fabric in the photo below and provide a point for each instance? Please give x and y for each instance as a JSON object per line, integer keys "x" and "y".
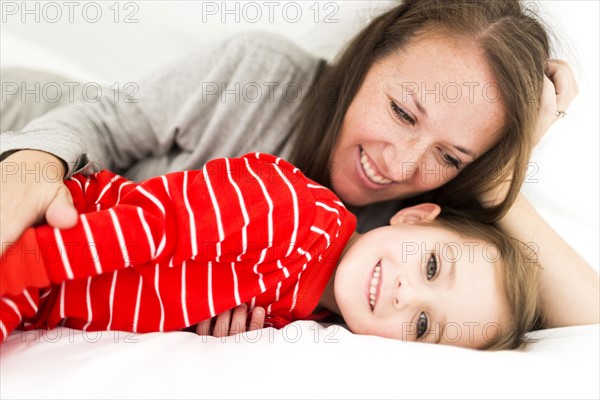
{"x": 163, "y": 240}
{"x": 255, "y": 269}
{"x": 105, "y": 189}
{"x": 148, "y": 233}
{"x": 138, "y": 303}
{"x": 12, "y": 305}
{"x": 78, "y": 183}
{"x": 192, "y": 221}
{"x": 215, "y": 205}
{"x": 326, "y": 207}
{"x": 30, "y": 300}
{"x": 63, "y": 253}
{"x": 310, "y": 185}
{"x": 121, "y": 188}
{"x": 120, "y": 238}
{"x": 244, "y": 212}
{"x": 91, "y": 243}
{"x": 269, "y": 201}
{"x": 88, "y": 303}
{"x": 184, "y": 306}
{"x": 111, "y": 299}
{"x": 3, "y": 330}
{"x": 236, "y": 290}
{"x": 62, "y": 300}
{"x": 321, "y": 232}
{"x": 161, "y": 326}
{"x": 296, "y": 211}
{"x": 152, "y": 198}
{"x": 278, "y": 291}
{"x": 295, "y": 295}
{"x": 166, "y": 185}
{"x": 211, "y": 305}
{"x": 282, "y": 267}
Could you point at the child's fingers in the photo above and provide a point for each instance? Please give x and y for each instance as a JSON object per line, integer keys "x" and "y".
{"x": 203, "y": 327}
{"x": 238, "y": 320}
{"x": 222, "y": 324}
{"x": 258, "y": 319}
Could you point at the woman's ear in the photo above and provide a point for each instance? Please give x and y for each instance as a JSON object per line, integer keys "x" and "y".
{"x": 419, "y": 213}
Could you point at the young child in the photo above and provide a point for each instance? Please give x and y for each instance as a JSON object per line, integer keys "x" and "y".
{"x": 166, "y": 253}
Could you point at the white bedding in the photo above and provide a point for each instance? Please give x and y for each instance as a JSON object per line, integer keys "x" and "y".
{"x": 307, "y": 359}
{"x": 300, "y": 361}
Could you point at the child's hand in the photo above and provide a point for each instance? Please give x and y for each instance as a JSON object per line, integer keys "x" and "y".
{"x": 228, "y": 324}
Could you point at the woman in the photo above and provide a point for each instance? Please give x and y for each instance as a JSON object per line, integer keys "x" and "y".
{"x": 381, "y": 124}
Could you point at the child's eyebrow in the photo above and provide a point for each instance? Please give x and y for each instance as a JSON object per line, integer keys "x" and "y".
{"x": 441, "y": 335}
{"x": 452, "y": 271}
{"x": 452, "y": 275}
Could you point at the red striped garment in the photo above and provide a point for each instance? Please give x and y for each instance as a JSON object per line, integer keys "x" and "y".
{"x": 171, "y": 251}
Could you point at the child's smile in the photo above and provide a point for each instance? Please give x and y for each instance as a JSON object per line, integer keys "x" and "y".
{"x": 420, "y": 281}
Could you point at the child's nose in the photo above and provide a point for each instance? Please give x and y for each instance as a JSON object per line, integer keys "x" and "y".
{"x": 406, "y": 295}
{"x": 400, "y": 294}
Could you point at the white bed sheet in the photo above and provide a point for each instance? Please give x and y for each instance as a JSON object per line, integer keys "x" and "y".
{"x": 303, "y": 360}
{"x": 307, "y": 359}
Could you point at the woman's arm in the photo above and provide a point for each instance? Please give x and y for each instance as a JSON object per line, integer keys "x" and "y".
{"x": 108, "y": 128}
{"x": 569, "y": 286}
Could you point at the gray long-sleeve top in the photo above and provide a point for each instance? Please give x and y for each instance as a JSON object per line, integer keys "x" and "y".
{"x": 224, "y": 100}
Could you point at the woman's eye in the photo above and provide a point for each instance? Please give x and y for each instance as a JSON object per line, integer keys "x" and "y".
{"x": 422, "y": 325}
{"x": 432, "y": 267}
{"x": 401, "y": 113}
{"x": 451, "y": 161}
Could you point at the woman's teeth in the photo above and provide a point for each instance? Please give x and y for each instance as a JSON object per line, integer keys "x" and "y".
{"x": 374, "y": 285}
{"x": 370, "y": 170}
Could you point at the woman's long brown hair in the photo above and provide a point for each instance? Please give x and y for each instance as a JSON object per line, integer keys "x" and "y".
{"x": 516, "y": 47}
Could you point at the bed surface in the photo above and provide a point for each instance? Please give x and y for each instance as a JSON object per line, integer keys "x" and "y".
{"x": 307, "y": 359}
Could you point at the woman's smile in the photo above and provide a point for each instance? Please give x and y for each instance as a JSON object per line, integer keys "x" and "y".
{"x": 371, "y": 172}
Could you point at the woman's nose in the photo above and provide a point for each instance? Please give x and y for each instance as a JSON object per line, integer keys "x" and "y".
{"x": 408, "y": 161}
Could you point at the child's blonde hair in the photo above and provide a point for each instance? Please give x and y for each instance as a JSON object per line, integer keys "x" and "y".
{"x": 518, "y": 280}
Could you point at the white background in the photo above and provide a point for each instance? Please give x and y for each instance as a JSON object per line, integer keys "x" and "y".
{"x": 564, "y": 188}
{"x": 564, "y": 364}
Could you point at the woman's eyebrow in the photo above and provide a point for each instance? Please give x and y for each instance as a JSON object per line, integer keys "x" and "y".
{"x": 418, "y": 104}
{"x": 465, "y": 151}
{"x": 406, "y": 90}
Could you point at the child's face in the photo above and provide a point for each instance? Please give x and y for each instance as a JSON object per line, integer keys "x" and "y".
{"x": 430, "y": 284}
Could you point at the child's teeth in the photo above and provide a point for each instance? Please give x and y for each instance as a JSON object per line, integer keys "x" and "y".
{"x": 374, "y": 284}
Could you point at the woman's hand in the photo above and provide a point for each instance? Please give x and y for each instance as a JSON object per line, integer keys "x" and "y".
{"x": 560, "y": 88}
{"x": 228, "y": 323}
{"x": 558, "y": 93}
{"x": 33, "y": 190}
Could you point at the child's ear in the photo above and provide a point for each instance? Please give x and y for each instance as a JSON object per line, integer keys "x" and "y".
{"x": 419, "y": 213}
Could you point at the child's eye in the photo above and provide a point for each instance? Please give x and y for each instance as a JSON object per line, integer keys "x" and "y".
{"x": 401, "y": 113}
{"x": 422, "y": 325}
{"x": 432, "y": 267}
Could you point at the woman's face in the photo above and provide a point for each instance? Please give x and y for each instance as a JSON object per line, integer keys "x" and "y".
{"x": 421, "y": 282}
{"x": 420, "y": 116}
